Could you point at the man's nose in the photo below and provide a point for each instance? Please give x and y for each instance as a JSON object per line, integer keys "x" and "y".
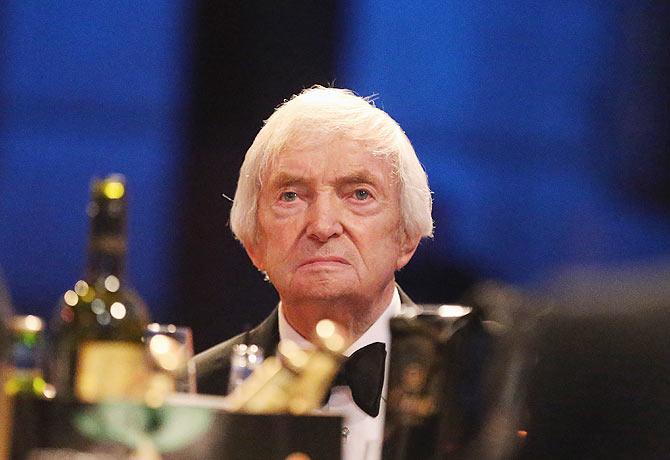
{"x": 324, "y": 220}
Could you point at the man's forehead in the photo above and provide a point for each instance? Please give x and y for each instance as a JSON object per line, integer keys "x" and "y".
{"x": 348, "y": 162}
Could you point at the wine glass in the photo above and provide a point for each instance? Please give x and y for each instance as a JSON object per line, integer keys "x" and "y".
{"x": 170, "y": 351}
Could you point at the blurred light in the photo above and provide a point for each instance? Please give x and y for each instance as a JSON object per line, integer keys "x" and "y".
{"x": 167, "y": 352}
{"x": 98, "y": 306}
{"x": 453, "y": 311}
{"x": 71, "y": 298}
{"x": 81, "y": 288}
{"x": 522, "y": 434}
{"x": 112, "y": 283}
{"x": 89, "y": 295}
{"x": 118, "y": 310}
{"x": 325, "y": 328}
{"x": 92, "y": 209}
{"x": 49, "y": 391}
{"x": 159, "y": 344}
{"x": 295, "y": 356}
{"x": 66, "y": 314}
{"x": 154, "y": 327}
{"x": 39, "y": 385}
{"x": 103, "y": 318}
{"x": 335, "y": 343}
{"x": 33, "y": 323}
{"x": 332, "y": 336}
{"x": 114, "y": 190}
{"x": 171, "y": 328}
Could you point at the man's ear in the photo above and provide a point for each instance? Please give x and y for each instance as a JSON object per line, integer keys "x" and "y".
{"x": 408, "y": 245}
{"x": 254, "y": 251}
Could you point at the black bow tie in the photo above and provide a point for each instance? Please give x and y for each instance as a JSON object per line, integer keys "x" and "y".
{"x": 363, "y": 373}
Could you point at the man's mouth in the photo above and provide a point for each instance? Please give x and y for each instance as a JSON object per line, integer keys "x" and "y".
{"x": 328, "y": 260}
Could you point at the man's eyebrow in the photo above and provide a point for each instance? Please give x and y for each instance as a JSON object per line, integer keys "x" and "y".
{"x": 358, "y": 177}
{"x": 284, "y": 179}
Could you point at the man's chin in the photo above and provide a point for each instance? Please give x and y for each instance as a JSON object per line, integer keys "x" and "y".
{"x": 320, "y": 292}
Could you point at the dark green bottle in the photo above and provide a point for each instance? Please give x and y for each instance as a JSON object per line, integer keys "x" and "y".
{"x": 98, "y": 327}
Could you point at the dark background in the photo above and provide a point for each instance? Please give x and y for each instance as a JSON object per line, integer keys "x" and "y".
{"x": 543, "y": 129}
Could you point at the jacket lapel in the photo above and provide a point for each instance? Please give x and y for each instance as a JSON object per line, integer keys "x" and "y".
{"x": 266, "y": 334}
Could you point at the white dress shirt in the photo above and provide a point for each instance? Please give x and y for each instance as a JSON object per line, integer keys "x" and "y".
{"x": 362, "y": 435}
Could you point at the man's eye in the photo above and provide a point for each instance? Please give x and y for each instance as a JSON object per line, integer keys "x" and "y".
{"x": 361, "y": 194}
{"x": 288, "y": 196}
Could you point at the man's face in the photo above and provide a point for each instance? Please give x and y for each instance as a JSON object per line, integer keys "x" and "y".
{"x": 329, "y": 225}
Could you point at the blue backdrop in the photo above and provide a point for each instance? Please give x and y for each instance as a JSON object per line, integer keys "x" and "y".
{"x": 532, "y": 119}
{"x": 87, "y": 89}
{"x": 527, "y": 116}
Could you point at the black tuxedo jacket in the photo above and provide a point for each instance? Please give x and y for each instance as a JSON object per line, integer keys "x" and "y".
{"x": 213, "y": 365}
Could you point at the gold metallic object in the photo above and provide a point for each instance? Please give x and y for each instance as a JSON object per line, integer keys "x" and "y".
{"x": 296, "y": 380}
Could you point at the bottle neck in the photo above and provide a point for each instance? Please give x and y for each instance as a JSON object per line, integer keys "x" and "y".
{"x": 106, "y": 256}
{"x": 107, "y": 244}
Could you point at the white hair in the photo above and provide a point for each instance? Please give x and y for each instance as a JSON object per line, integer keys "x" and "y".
{"x": 327, "y": 112}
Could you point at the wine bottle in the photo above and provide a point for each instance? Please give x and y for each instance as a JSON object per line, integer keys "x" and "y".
{"x": 99, "y": 323}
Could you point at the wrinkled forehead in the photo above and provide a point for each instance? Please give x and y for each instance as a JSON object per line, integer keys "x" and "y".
{"x": 308, "y": 142}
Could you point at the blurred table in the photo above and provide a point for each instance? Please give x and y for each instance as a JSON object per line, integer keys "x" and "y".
{"x": 192, "y": 428}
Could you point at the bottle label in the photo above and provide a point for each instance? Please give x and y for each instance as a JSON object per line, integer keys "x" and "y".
{"x": 110, "y": 370}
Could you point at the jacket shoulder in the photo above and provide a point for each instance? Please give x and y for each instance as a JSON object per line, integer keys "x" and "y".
{"x": 212, "y": 367}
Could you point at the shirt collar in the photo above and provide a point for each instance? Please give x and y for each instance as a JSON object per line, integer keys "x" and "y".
{"x": 378, "y": 332}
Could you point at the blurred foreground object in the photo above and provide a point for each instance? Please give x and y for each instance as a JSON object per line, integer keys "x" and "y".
{"x": 180, "y": 425}
{"x": 26, "y": 351}
{"x": 296, "y": 380}
{"x": 583, "y": 373}
{"x": 5, "y": 315}
{"x": 22, "y": 373}
{"x": 243, "y": 362}
{"x": 98, "y": 327}
{"x": 600, "y": 386}
{"x": 456, "y": 386}
{"x": 5, "y": 369}
{"x": 187, "y": 427}
{"x": 5, "y": 320}
{"x": 169, "y": 352}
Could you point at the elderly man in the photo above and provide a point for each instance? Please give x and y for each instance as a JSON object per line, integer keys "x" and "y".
{"x": 330, "y": 203}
